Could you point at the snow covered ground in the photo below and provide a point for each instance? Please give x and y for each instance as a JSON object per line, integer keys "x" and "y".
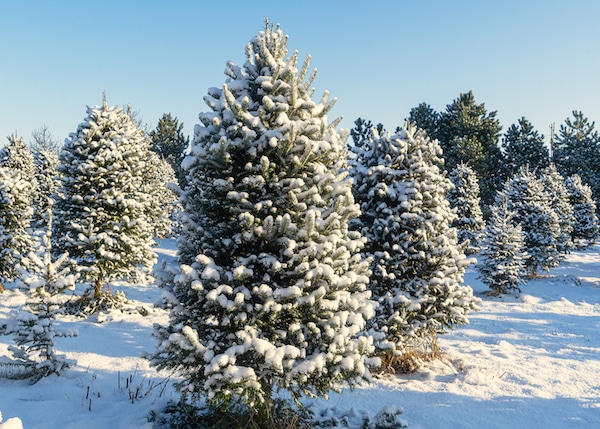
{"x": 527, "y": 362}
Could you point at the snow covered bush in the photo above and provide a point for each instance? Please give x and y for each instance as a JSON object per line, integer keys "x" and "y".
{"x": 502, "y": 257}
{"x": 271, "y": 290}
{"x": 15, "y": 212}
{"x": 101, "y": 212}
{"x": 531, "y": 203}
{"x": 417, "y": 263}
{"x": 585, "y": 224}
{"x": 464, "y": 198}
{"x": 48, "y": 282}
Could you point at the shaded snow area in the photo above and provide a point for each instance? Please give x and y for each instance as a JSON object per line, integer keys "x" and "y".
{"x": 531, "y": 361}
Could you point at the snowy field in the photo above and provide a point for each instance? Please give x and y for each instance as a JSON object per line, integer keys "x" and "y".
{"x": 527, "y": 362}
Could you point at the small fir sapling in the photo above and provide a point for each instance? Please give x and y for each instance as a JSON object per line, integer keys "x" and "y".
{"x": 502, "y": 258}
{"x": 417, "y": 264}
{"x": 271, "y": 289}
{"x": 48, "y": 280}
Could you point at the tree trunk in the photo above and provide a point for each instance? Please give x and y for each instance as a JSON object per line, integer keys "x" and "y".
{"x": 97, "y": 288}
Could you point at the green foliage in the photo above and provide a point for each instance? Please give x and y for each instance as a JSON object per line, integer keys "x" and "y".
{"x": 577, "y": 151}
{"x": 169, "y": 143}
{"x": 426, "y": 118}
{"x": 524, "y": 146}
{"x": 469, "y": 133}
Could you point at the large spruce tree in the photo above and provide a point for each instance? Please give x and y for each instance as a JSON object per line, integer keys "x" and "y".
{"x": 469, "y": 133}
{"x": 417, "y": 264}
{"x": 524, "y": 146}
{"x": 101, "y": 210}
{"x": 271, "y": 290}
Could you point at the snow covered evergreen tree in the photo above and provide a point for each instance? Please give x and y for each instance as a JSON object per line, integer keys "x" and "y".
{"x": 101, "y": 211}
{"x": 464, "y": 198}
{"x": 159, "y": 185}
{"x": 48, "y": 282}
{"x": 271, "y": 291}
{"x": 417, "y": 264}
{"x": 502, "y": 259}
{"x": 15, "y": 212}
{"x": 554, "y": 184}
{"x": 540, "y": 224}
{"x": 17, "y": 156}
{"x": 46, "y": 176}
{"x": 585, "y": 224}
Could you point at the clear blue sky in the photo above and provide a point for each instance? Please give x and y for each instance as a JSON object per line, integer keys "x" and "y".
{"x": 534, "y": 58}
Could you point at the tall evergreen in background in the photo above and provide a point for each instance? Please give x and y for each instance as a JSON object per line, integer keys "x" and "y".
{"x": 426, "y": 118}
{"x": 577, "y": 151}
{"x": 169, "y": 142}
{"x": 469, "y": 133}
{"x": 101, "y": 208}
{"x": 271, "y": 290}
{"x": 417, "y": 264}
{"x": 524, "y": 146}
{"x": 362, "y": 133}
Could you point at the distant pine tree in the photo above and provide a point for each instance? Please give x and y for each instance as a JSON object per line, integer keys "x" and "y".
{"x": 554, "y": 184}
{"x": 502, "y": 259}
{"x": 46, "y": 175}
{"x": 464, "y": 198}
{"x": 169, "y": 142}
{"x": 585, "y": 224}
{"x": 524, "y": 146}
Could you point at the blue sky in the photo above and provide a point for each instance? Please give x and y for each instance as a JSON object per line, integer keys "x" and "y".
{"x": 538, "y": 59}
